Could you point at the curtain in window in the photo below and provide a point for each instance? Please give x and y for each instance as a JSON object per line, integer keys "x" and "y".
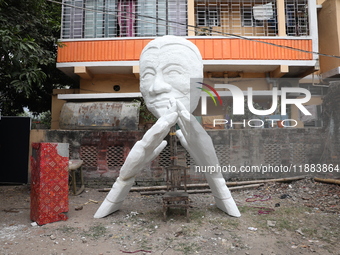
{"x": 126, "y": 18}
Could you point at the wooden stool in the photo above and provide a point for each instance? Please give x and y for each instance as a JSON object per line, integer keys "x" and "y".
{"x": 75, "y": 164}
{"x": 176, "y": 195}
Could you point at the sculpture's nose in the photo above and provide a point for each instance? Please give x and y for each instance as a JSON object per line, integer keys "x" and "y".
{"x": 159, "y": 86}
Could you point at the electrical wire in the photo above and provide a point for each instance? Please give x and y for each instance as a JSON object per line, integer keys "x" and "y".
{"x": 194, "y": 28}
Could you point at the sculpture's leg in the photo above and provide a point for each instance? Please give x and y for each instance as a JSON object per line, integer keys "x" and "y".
{"x": 115, "y": 197}
{"x": 221, "y": 193}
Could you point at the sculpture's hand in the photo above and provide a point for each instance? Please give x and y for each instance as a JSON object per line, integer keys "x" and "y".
{"x": 152, "y": 143}
{"x": 199, "y": 144}
{"x": 194, "y": 138}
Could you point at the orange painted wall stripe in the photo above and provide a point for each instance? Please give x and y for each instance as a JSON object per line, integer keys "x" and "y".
{"x": 211, "y": 49}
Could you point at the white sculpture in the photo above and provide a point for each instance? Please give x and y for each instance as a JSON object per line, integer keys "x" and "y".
{"x": 166, "y": 66}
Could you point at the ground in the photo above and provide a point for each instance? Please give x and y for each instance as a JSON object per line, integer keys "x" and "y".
{"x": 301, "y": 217}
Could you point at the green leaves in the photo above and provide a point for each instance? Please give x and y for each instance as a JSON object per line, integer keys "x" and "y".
{"x": 29, "y": 30}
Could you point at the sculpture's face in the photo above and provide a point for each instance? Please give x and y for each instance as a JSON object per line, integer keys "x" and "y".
{"x": 165, "y": 73}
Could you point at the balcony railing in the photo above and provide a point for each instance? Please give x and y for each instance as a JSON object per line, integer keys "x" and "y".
{"x": 148, "y": 18}
{"x": 250, "y": 17}
{"x": 123, "y": 18}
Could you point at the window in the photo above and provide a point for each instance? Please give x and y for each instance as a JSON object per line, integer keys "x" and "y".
{"x": 297, "y": 17}
{"x": 123, "y": 18}
{"x": 89, "y": 19}
{"x": 208, "y": 17}
{"x": 240, "y": 17}
{"x": 161, "y": 17}
{"x": 101, "y": 23}
{"x": 248, "y": 19}
{"x": 72, "y": 19}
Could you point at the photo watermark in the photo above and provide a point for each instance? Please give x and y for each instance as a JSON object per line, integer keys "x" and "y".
{"x": 254, "y": 103}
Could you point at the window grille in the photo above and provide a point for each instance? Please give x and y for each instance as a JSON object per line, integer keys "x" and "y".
{"x": 99, "y": 24}
{"x": 223, "y": 154}
{"x": 142, "y": 18}
{"x": 250, "y": 17}
{"x": 296, "y": 17}
{"x": 72, "y": 26}
{"x": 89, "y": 155}
{"x": 297, "y": 153}
{"x": 272, "y": 154}
{"x": 165, "y": 157}
{"x": 208, "y": 17}
{"x": 115, "y": 156}
{"x": 123, "y": 18}
{"x": 240, "y": 17}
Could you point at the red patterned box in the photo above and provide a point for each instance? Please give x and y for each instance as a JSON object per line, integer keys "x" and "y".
{"x": 49, "y": 182}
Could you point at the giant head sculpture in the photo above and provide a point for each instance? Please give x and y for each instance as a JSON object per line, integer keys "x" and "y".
{"x": 170, "y": 67}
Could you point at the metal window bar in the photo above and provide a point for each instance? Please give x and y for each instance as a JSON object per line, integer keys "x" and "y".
{"x": 72, "y": 20}
{"x": 237, "y": 17}
{"x": 123, "y": 18}
{"x": 297, "y": 17}
{"x": 154, "y": 18}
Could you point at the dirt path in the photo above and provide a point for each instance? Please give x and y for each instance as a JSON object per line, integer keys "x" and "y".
{"x": 301, "y": 217}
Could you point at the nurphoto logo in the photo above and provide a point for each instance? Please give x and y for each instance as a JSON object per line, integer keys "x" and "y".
{"x": 243, "y": 101}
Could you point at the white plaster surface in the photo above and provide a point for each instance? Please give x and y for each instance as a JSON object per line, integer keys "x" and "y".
{"x": 168, "y": 66}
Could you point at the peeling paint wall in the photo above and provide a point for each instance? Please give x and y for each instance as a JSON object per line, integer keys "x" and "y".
{"x": 100, "y": 115}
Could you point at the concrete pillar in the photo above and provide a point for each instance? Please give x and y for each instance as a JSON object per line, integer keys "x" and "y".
{"x": 191, "y": 17}
{"x": 281, "y": 17}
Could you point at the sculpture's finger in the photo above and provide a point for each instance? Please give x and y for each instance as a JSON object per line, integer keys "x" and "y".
{"x": 157, "y": 151}
{"x": 159, "y": 130}
{"x": 182, "y": 139}
{"x": 181, "y": 106}
{"x": 188, "y": 121}
{"x": 173, "y": 105}
{"x": 182, "y": 127}
{"x": 171, "y": 118}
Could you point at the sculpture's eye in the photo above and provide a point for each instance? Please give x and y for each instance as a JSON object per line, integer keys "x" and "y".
{"x": 173, "y": 71}
{"x": 148, "y": 76}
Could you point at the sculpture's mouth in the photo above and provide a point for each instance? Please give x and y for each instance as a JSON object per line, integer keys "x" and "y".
{"x": 164, "y": 101}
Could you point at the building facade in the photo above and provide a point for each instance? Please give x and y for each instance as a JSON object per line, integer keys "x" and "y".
{"x": 264, "y": 43}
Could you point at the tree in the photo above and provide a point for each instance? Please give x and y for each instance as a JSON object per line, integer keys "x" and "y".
{"x": 28, "y": 45}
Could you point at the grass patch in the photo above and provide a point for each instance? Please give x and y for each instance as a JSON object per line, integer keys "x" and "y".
{"x": 190, "y": 230}
{"x": 155, "y": 214}
{"x": 196, "y": 216}
{"x": 293, "y": 218}
{"x": 144, "y": 244}
{"x": 96, "y": 231}
{"x": 188, "y": 248}
{"x": 67, "y": 229}
{"x": 245, "y": 209}
{"x": 329, "y": 234}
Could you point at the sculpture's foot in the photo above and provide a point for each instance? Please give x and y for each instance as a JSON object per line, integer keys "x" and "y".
{"x": 115, "y": 198}
{"x": 228, "y": 205}
{"x": 220, "y": 191}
